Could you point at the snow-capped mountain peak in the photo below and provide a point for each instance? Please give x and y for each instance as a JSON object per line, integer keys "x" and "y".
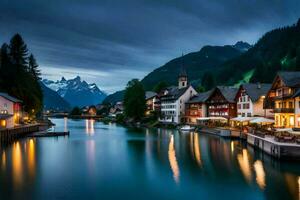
{"x": 76, "y": 91}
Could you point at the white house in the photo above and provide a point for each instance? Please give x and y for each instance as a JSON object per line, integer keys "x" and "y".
{"x": 10, "y": 111}
{"x": 174, "y": 99}
{"x": 250, "y": 100}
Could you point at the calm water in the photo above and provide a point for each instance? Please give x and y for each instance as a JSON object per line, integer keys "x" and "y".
{"x": 99, "y": 161}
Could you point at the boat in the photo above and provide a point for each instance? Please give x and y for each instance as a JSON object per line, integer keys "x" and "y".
{"x": 187, "y": 128}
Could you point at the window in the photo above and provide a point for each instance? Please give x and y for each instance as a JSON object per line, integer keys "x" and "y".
{"x": 290, "y": 104}
{"x": 248, "y": 114}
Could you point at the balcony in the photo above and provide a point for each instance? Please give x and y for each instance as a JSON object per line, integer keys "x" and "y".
{"x": 284, "y": 110}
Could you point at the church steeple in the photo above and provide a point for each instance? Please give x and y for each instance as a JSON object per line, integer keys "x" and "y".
{"x": 182, "y": 78}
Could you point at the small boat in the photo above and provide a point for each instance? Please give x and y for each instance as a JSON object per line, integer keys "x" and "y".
{"x": 187, "y": 128}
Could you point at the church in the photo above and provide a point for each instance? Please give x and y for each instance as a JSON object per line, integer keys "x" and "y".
{"x": 174, "y": 99}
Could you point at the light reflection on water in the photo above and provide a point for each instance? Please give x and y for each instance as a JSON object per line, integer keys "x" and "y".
{"x": 173, "y": 160}
{"x": 260, "y": 174}
{"x": 155, "y": 158}
{"x": 245, "y": 166}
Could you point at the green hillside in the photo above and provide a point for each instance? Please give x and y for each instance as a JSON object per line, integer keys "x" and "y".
{"x": 277, "y": 50}
{"x": 195, "y": 64}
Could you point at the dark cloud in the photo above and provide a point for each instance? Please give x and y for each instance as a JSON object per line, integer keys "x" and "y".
{"x": 115, "y": 40}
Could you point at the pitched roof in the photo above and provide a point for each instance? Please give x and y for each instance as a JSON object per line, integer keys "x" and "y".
{"x": 291, "y": 79}
{"x": 200, "y": 97}
{"x": 150, "y": 94}
{"x": 297, "y": 93}
{"x": 255, "y": 91}
{"x": 228, "y": 92}
{"x": 10, "y": 98}
{"x": 174, "y": 93}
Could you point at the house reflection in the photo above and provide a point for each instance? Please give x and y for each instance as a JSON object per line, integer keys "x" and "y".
{"x": 91, "y": 153}
{"x": 196, "y": 146}
{"x": 31, "y": 157}
{"x": 17, "y": 168}
{"x": 244, "y": 164}
{"x": 260, "y": 174}
{"x": 3, "y": 159}
{"x": 65, "y": 124}
{"x": 173, "y": 160}
{"x": 89, "y": 126}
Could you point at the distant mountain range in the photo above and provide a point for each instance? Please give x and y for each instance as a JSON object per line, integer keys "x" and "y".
{"x": 277, "y": 50}
{"x": 52, "y": 100}
{"x": 195, "y": 64}
{"x": 76, "y": 92}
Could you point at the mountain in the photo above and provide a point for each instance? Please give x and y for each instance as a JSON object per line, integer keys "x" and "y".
{"x": 195, "y": 64}
{"x": 276, "y": 50}
{"x": 77, "y": 92}
{"x": 52, "y": 100}
{"x": 242, "y": 46}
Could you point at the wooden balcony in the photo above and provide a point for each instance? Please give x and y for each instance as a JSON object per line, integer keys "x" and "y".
{"x": 284, "y": 110}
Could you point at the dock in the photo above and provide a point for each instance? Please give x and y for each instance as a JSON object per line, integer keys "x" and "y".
{"x": 49, "y": 134}
{"x": 11, "y": 134}
{"x": 222, "y": 132}
{"x": 274, "y": 148}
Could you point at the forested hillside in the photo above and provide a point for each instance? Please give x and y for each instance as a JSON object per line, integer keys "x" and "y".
{"x": 19, "y": 75}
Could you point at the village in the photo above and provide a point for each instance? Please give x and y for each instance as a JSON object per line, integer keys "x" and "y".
{"x": 266, "y": 115}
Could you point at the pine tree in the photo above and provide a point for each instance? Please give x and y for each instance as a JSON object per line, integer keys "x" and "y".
{"x": 33, "y": 68}
{"x": 18, "y": 51}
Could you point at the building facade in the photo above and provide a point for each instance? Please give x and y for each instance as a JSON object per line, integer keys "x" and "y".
{"x": 196, "y": 108}
{"x": 172, "y": 103}
{"x": 10, "y": 111}
{"x": 250, "y": 100}
{"x": 152, "y": 102}
{"x": 221, "y": 102}
{"x": 283, "y": 97}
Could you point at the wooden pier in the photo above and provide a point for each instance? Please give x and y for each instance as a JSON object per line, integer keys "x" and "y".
{"x": 49, "y": 134}
{"x": 11, "y": 134}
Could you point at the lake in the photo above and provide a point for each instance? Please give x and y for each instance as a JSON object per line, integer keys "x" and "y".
{"x": 108, "y": 161}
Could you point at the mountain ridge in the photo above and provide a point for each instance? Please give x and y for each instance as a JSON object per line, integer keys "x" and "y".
{"x": 76, "y": 91}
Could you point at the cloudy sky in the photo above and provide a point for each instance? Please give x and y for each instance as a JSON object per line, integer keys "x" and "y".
{"x": 112, "y": 41}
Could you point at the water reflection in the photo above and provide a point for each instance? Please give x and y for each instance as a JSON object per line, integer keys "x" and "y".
{"x": 31, "y": 158}
{"x": 260, "y": 174}
{"x": 3, "y": 158}
{"x": 173, "y": 160}
{"x": 65, "y": 124}
{"x": 197, "y": 163}
{"x": 244, "y": 163}
{"x": 91, "y": 151}
{"x": 89, "y": 126}
{"x": 197, "y": 149}
{"x": 17, "y": 164}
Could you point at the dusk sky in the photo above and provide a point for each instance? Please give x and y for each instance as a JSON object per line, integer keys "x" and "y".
{"x": 112, "y": 41}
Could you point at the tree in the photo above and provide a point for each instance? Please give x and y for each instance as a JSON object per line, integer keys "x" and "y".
{"x": 200, "y": 89}
{"x": 208, "y": 81}
{"x": 18, "y": 51}
{"x": 75, "y": 111}
{"x": 16, "y": 80}
{"x": 134, "y": 100}
{"x": 159, "y": 86}
{"x": 33, "y": 68}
